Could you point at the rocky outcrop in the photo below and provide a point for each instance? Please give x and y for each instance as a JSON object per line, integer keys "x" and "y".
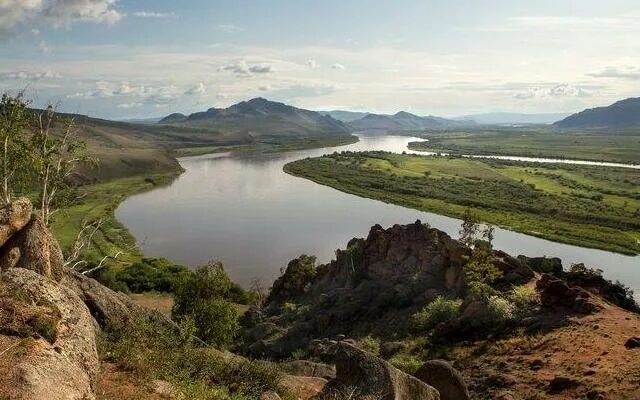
{"x": 64, "y": 365}
{"x": 444, "y": 378}
{"x": 557, "y": 293}
{"x": 108, "y": 308}
{"x": 33, "y": 247}
{"x": 367, "y": 376}
{"x": 374, "y": 284}
{"x": 14, "y": 217}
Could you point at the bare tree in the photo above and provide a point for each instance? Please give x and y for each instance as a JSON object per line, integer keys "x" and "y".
{"x": 55, "y": 156}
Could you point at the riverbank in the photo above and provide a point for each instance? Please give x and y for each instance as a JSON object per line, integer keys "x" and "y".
{"x": 616, "y": 147}
{"x": 578, "y": 205}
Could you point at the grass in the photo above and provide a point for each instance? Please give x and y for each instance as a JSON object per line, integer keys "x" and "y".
{"x": 581, "y": 205}
{"x": 611, "y": 146}
{"x": 99, "y": 202}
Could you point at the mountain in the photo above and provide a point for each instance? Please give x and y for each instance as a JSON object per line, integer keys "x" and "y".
{"x": 498, "y": 118}
{"x": 402, "y": 121}
{"x": 344, "y": 116}
{"x": 261, "y": 118}
{"x": 622, "y": 114}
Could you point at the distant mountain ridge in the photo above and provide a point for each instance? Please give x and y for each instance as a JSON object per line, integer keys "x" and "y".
{"x": 621, "y": 114}
{"x": 344, "y": 116}
{"x": 403, "y": 121}
{"x": 261, "y": 117}
{"x": 497, "y": 118}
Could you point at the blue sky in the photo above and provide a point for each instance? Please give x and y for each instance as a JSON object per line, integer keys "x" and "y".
{"x": 124, "y": 58}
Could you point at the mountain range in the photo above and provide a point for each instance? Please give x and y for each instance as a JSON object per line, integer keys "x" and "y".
{"x": 403, "y": 121}
{"x": 621, "y": 114}
{"x": 261, "y": 118}
{"x": 507, "y": 118}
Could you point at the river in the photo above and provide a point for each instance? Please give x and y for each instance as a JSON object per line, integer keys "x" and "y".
{"x": 249, "y": 214}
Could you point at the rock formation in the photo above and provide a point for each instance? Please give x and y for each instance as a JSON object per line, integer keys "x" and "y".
{"x": 445, "y": 379}
{"x": 365, "y": 376}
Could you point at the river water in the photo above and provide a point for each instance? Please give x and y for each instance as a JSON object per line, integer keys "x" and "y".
{"x": 249, "y": 214}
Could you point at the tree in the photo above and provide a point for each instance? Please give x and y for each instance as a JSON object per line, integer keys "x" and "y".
{"x": 202, "y": 297}
{"x": 55, "y": 156}
{"x": 469, "y": 228}
{"x": 14, "y": 121}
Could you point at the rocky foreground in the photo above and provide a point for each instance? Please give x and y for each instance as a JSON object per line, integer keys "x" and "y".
{"x": 574, "y": 343}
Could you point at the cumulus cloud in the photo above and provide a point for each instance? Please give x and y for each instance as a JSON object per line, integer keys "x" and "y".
{"x": 56, "y": 13}
{"x": 264, "y": 88}
{"x": 620, "y": 73}
{"x": 555, "y": 91}
{"x": 312, "y": 63}
{"x": 337, "y": 66}
{"x": 198, "y": 89}
{"x": 152, "y": 14}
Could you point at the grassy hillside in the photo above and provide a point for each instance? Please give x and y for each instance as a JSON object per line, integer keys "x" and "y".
{"x": 620, "y": 146}
{"x": 581, "y": 205}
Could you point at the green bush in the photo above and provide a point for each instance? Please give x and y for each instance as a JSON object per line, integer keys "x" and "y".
{"x": 370, "y": 344}
{"x": 500, "y": 311}
{"x": 523, "y": 296}
{"x": 406, "y": 362}
{"x": 202, "y": 296}
{"x": 439, "y": 310}
{"x": 216, "y": 321}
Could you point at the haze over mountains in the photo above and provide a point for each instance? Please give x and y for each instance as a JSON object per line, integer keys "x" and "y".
{"x": 501, "y": 118}
{"x": 622, "y": 114}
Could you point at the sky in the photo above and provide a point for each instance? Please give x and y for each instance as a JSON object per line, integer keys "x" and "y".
{"x": 146, "y": 58}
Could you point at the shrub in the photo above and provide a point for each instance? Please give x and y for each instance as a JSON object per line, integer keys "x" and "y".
{"x": 439, "y": 310}
{"x": 370, "y": 344}
{"x": 500, "y": 310}
{"x": 406, "y": 362}
{"x": 216, "y": 321}
{"x": 201, "y": 296}
{"x": 523, "y": 296}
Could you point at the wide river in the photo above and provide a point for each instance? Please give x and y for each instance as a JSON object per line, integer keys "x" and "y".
{"x": 246, "y": 212}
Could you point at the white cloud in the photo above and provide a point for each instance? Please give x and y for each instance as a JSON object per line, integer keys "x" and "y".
{"x": 264, "y": 88}
{"x": 337, "y": 66}
{"x": 130, "y": 105}
{"x": 239, "y": 68}
{"x": 152, "y": 14}
{"x": 620, "y": 73}
{"x": 35, "y": 32}
{"x": 56, "y": 13}
{"x": 312, "y": 63}
{"x": 198, "y": 89}
{"x": 30, "y": 75}
{"x": 555, "y": 91}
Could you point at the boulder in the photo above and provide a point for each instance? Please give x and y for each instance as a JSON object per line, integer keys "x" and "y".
{"x": 389, "y": 349}
{"x": 106, "y": 306}
{"x": 270, "y": 395}
{"x": 302, "y": 387}
{"x": 557, "y": 293}
{"x": 632, "y": 343}
{"x": 34, "y": 248}
{"x": 65, "y": 365}
{"x": 309, "y": 368}
{"x": 368, "y": 376}
{"x": 13, "y": 217}
{"x": 444, "y": 378}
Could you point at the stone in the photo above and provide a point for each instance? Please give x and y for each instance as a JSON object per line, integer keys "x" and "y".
{"x": 13, "y": 217}
{"x": 270, "y": 395}
{"x": 67, "y": 367}
{"x": 366, "y": 375}
{"x": 444, "y": 378}
{"x": 632, "y": 343}
{"x": 34, "y": 248}
{"x": 389, "y": 349}
{"x": 555, "y": 292}
{"x": 309, "y": 368}
{"x": 561, "y": 383}
{"x": 303, "y": 387}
